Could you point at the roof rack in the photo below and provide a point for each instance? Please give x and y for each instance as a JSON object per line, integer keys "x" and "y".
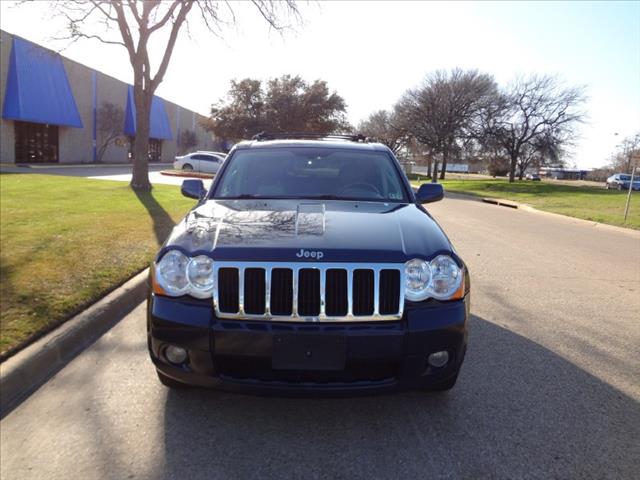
{"x": 263, "y": 136}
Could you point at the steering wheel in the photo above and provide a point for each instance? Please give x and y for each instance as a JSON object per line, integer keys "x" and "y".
{"x": 360, "y": 186}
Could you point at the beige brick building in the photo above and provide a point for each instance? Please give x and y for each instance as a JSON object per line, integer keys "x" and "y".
{"x": 52, "y": 108}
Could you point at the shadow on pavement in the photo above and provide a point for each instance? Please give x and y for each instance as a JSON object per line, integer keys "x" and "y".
{"x": 519, "y": 410}
{"x": 162, "y": 222}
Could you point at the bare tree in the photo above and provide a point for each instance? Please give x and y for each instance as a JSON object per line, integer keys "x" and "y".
{"x": 386, "y": 127}
{"x": 187, "y": 140}
{"x": 109, "y": 126}
{"x": 535, "y": 116}
{"x": 136, "y": 22}
{"x": 628, "y": 150}
{"x": 544, "y": 150}
{"x": 445, "y": 110}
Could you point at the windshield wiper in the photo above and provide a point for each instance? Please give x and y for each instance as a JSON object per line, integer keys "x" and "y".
{"x": 325, "y": 197}
{"x": 245, "y": 196}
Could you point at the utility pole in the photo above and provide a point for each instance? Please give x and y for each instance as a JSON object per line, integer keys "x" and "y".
{"x": 626, "y": 208}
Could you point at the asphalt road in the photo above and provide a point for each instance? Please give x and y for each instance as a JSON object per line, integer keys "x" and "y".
{"x": 550, "y": 387}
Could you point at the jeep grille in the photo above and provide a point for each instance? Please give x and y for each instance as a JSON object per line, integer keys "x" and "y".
{"x": 309, "y": 292}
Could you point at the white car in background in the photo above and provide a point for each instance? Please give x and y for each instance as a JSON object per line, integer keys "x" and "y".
{"x": 204, "y": 162}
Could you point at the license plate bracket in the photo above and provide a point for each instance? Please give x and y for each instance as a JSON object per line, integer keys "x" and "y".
{"x": 309, "y": 352}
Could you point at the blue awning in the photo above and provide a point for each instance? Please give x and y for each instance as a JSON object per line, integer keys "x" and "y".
{"x": 159, "y": 126}
{"x": 37, "y": 87}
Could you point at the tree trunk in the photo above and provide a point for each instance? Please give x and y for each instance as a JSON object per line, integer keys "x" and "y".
{"x": 434, "y": 177}
{"x": 443, "y": 170}
{"x": 140, "y": 174}
{"x": 512, "y": 170}
{"x": 101, "y": 151}
{"x": 429, "y": 162}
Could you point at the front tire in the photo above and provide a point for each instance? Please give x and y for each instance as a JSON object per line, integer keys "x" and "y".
{"x": 619, "y": 187}
{"x": 187, "y": 168}
{"x": 170, "y": 382}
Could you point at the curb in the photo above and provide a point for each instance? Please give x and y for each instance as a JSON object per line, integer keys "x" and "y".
{"x": 169, "y": 173}
{"x": 615, "y": 228}
{"x": 501, "y": 202}
{"x": 528, "y": 208}
{"x": 23, "y": 373}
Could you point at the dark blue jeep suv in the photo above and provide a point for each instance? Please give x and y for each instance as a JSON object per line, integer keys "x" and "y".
{"x": 309, "y": 266}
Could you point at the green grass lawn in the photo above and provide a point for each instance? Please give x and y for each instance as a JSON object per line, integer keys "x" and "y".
{"x": 65, "y": 242}
{"x": 589, "y": 203}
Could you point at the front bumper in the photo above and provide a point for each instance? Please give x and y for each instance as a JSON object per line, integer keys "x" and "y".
{"x": 237, "y": 355}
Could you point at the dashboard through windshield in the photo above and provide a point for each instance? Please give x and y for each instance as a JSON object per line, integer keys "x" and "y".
{"x": 308, "y": 173}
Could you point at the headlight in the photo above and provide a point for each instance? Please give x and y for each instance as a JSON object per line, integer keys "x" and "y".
{"x": 441, "y": 278}
{"x": 176, "y": 274}
{"x": 417, "y": 274}
{"x": 446, "y": 277}
{"x": 171, "y": 273}
{"x": 200, "y": 276}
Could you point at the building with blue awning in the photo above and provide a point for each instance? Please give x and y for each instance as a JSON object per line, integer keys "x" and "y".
{"x": 55, "y": 110}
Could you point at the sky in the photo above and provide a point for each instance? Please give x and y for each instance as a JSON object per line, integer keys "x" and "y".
{"x": 371, "y": 52}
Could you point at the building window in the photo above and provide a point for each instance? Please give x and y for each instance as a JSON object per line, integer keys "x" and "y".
{"x": 36, "y": 142}
{"x": 155, "y": 149}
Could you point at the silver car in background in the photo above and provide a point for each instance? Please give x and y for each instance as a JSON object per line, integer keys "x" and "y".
{"x": 204, "y": 162}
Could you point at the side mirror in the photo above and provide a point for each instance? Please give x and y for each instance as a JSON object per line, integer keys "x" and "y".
{"x": 430, "y": 192}
{"x": 193, "y": 189}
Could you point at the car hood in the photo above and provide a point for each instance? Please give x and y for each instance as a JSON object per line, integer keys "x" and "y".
{"x": 285, "y": 230}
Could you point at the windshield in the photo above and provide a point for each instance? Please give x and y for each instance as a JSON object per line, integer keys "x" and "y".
{"x": 308, "y": 172}
{"x": 625, "y": 177}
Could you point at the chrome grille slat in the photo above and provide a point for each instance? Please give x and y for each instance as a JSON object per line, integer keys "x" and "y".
{"x": 350, "y": 294}
{"x": 241, "y": 292}
{"x": 376, "y": 292}
{"x": 323, "y": 295}
{"x": 294, "y": 307}
{"x": 295, "y": 268}
{"x": 267, "y": 291}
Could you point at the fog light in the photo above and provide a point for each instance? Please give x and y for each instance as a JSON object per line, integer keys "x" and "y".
{"x": 175, "y": 355}
{"x": 438, "y": 359}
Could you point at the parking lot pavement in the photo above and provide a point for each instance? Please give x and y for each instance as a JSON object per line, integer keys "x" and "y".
{"x": 155, "y": 177}
{"x": 549, "y": 388}
{"x": 117, "y": 173}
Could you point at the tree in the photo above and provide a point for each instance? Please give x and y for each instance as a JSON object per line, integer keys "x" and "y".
{"x": 445, "y": 111}
{"x": 137, "y": 22}
{"x": 498, "y": 166}
{"x": 536, "y": 116}
{"x": 628, "y": 151}
{"x": 285, "y": 104}
{"x": 109, "y": 126}
{"x": 386, "y": 128}
{"x": 187, "y": 140}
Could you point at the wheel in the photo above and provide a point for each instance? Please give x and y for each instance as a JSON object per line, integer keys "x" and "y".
{"x": 187, "y": 168}
{"x": 445, "y": 385}
{"x": 170, "y": 382}
{"x": 619, "y": 187}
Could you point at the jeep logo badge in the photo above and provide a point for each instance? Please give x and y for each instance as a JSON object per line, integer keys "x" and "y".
{"x": 310, "y": 254}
